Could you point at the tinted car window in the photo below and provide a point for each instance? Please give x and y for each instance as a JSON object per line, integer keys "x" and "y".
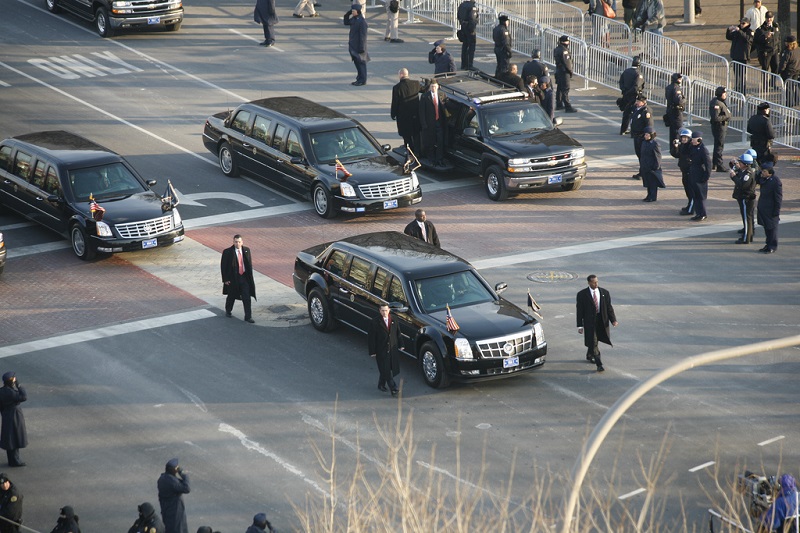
{"x": 344, "y": 144}
{"x": 293, "y": 147}
{"x": 462, "y": 288}
{"x": 277, "y": 141}
{"x": 336, "y": 263}
{"x": 51, "y": 183}
{"x": 396, "y": 293}
{"x": 240, "y": 122}
{"x": 38, "y": 174}
{"x": 5, "y": 157}
{"x": 510, "y": 121}
{"x": 381, "y": 279}
{"x": 261, "y": 129}
{"x": 22, "y": 165}
{"x": 104, "y": 181}
{"x": 359, "y": 272}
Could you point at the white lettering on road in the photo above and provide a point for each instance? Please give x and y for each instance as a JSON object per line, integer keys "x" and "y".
{"x": 53, "y": 69}
{"x": 71, "y": 67}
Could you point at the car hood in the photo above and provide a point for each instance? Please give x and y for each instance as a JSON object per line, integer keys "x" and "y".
{"x": 376, "y": 169}
{"x": 487, "y": 320}
{"x": 547, "y": 142}
{"x": 133, "y": 208}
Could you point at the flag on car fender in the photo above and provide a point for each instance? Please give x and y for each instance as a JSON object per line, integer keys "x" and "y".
{"x": 452, "y": 325}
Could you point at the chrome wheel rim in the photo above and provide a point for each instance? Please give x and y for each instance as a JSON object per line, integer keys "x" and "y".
{"x": 78, "y": 242}
{"x": 429, "y": 366}
{"x": 316, "y": 311}
{"x": 492, "y": 183}
{"x": 320, "y": 200}
{"x": 225, "y": 160}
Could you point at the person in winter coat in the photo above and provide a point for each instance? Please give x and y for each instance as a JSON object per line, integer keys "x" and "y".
{"x": 172, "y": 485}
{"x": 357, "y": 42}
{"x": 684, "y": 149}
{"x": 743, "y": 176}
{"x": 741, "y": 38}
{"x": 761, "y": 133}
{"x": 594, "y": 312}
{"x": 650, "y": 165}
{"x": 148, "y": 521}
{"x": 631, "y": 85}
{"x": 13, "y": 435}
{"x": 719, "y": 116}
{"x": 440, "y": 58}
{"x": 502, "y": 45}
{"x": 784, "y": 506}
{"x": 770, "y": 201}
{"x": 260, "y": 524}
{"x": 266, "y": 15}
{"x": 767, "y": 40}
{"x": 468, "y": 19}
{"x": 699, "y": 172}
{"x": 676, "y": 101}
{"x": 67, "y": 521}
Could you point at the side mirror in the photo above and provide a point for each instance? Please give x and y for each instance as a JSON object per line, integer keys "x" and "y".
{"x": 387, "y": 147}
{"x": 470, "y": 132}
{"x": 558, "y": 121}
{"x": 500, "y": 287}
{"x": 397, "y": 307}
{"x": 151, "y": 183}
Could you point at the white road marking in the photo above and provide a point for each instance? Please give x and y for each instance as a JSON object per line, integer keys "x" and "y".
{"x": 192, "y": 199}
{"x": 770, "y": 441}
{"x": 192, "y": 397}
{"x": 251, "y": 38}
{"x": 701, "y": 467}
{"x": 632, "y": 493}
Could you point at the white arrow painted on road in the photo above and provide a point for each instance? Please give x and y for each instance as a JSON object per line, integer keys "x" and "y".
{"x": 191, "y": 199}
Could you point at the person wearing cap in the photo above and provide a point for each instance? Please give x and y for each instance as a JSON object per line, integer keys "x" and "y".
{"x": 392, "y": 21}
{"x": 756, "y": 14}
{"x": 67, "y": 521}
{"x": 357, "y": 42}
{"x": 563, "y": 62}
{"x": 676, "y": 101}
{"x": 719, "y": 116}
{"x": 761, "y": 133}
{"x": 744, "y": 192}
{"x": 631, "y": 85}
{"x": 641, "y": 119}
{"x": 502, "y": 44}
{"x": 650, "y": 165}
{"x": 172, "y": 485}
{"x": 147, "y": 521}
{"x": 206, "y": 529}
{"x": 405, "y": 109}
{"x": 741, "y": 38}
{"x": 440, "y": 58}
{"x": 260, "y": 523}
{"x": 10, "y": 506}
{"x": 433, "y": 122}
{"x": 699, "y": 172}
{"x": 767, "y": 41}
{"x": 266, "y": 15}
{"x": 467, "y": 15}
{"x": 13, "y": 435}
{"x": 684, "y": 161}
{"x": 549, "y": 98}
{"x": 770, "y": 199}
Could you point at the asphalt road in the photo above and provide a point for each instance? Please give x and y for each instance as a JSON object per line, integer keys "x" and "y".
{"x": 129, "y": 360}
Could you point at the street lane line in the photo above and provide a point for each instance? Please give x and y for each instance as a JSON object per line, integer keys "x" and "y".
{"x": 632, "y": 493}
{"x": 770, "y": 441}
{"x": 105, "y": 332}
{"x": 701, "y": 467}
{"x": 251, "y": 38}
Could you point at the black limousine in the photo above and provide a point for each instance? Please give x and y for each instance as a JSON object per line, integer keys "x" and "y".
{"x": 346, "y": 281}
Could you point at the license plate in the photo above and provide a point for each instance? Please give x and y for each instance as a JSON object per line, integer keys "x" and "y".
{"x": 390, "y": 204}
{"x": 150, "y": 243}
{"x": 510, "y": 362}
{"x": 153, "y": 20}
{"x": 554, "y": 179}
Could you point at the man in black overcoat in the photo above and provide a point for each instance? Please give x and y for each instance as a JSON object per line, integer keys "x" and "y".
{"x": 13, "y": 435}
{"x": 237, "y": 277}
{"x": 383, "y": 342}
{"x": 405, "y": 109}
{"x": 769, "y": 205}
{"x": 433, "y": 121}
{"x": 266, "y": 15}
{"x": 423, "y": 229}
{"x": 594, "y": 312}
{"x": 172, "y": 485}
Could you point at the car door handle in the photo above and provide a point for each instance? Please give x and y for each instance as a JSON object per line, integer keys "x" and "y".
{"x": 7, "y": 181}
{"x": 245, "y": 145}
{"x": 343, "y": 290}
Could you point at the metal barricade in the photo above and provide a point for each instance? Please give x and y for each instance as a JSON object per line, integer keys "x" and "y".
{"x": 441, "y": 11}
{"x": 578, "y": 51}
{"x": 605, "y": 66}
{"x": 756, "y": 83}
{"x": 560, "y": 17}
{"x": 526, "y": 35}
{"x": 656, "y": 80}
{"x": 703, "y": 65}
{"x": 487, "y": 20}
{"x": 699, "y": 94}
{"x": 792, "y": 93}
{"x": 608, "y": 33}
{"x": 785, "y": 121}
{"x": 657, "y": 50}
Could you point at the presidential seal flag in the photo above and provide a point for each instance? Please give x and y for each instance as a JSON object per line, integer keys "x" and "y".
{"x": 170, "y": 198}
{"x": 95, "y": 209}
{"x": 533, "y": 306}
{"x": 451, "y": 323}
{"x": 340, "y": 168}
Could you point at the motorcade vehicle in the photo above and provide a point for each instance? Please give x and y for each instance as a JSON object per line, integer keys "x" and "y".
{"x": 111, "y": 16}
{"x": 452, "y": 321}
{"x": 86, "y": 193}
{"x": 313, "y": 151}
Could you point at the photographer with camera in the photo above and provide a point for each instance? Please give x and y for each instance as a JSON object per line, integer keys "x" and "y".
{"x": 744, "y": 192}
{"x": 741, "y": 38}
{"x": 719, "y": 116}
{"x": 768, "y": 42}
{"x": 784, "y": 508}
{"x": 172, "y": 485}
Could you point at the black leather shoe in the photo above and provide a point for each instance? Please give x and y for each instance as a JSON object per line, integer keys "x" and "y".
{"x": 589, "y": 359}
{"x": 228, "y": 315}
{"x": 767, "y": 251}
{"x": 764, "y": 249}
{"x": 601, "y": 369}
{"x": 571, "y": 110}
{"x": 295, "y": 15}
{"x": 685, "y": 211}
{"x": 741, "y": 231}
{"x": 743, "y": 241}
{"x": 649, "y": 200}
{"x": 395, "y": 391}
{"x": 626, "y": 132}
{"x": 698, "y": 218}
{"x": 18, "y": 464}
{"x": 358, "y": 83}
{"x": 383, "y": 388}
{"x": 636, "y": 177}
{"x": 250, "y": 320}
{"x": 400, "y": 41}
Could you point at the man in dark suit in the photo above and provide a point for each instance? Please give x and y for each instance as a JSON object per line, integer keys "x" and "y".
{"x": 14, "y": 435}
{"x": 405, "y": 109}
{"x": 421, "y": 228}
{"x": 769, "y": 206}
{"x": 237, "y": 277}
{"x": 266, "y": 15}
{"x": 433, "y": 120}
{"x": 594, "y": 312}
{"x": 384, "y": 339}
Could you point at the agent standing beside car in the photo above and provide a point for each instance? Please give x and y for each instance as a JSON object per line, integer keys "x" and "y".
{"x": 237, "y": 277}
{"x": 383, "y": 341}
{"x": 13, "y": 435}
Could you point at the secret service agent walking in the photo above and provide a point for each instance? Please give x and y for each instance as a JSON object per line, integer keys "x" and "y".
{"x": 148, "y": 521}
{"x": 172, "y": 485}
{"x": 642, "y": 118}
{"x": 594, "y": 312}
{"x": 719, "y": 116}
{"x": 563, "y": 61}
{"x": 769, "y": 205}
{"x": 260, "y": 523}
{"x": 266, "y": 15}
{"x": 67, "y": 521}
{"x": 236, "y": 267}
{"x": 13, "y": 435}
{"x": 383, "y": 341}
{"x": 357, "y": 42}
{"x": 699, "y": 172}
{"x": 405, "y": 109}
{"x": 468, "y": 19}
{"x": 10, "y": 506}
{"x": 631, "y": 85}
{"x": 423, "y": 229}
{"x": 673, "y": 95}
{"x": 744, "y": 192}
{"x": 761, "y": 133}
{"x": 502, "y": 45}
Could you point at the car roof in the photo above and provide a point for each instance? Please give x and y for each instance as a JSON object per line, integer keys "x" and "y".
{"x": 478, "y": 87}
{"x": 304, "y": 113}
{"x": 66, "y": 147}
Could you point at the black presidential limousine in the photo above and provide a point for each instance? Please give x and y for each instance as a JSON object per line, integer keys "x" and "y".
{"x": 346, "y": 281}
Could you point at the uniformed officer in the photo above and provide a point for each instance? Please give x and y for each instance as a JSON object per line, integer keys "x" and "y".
{"x": 684, "y": 148}
{"x": 549, "y": 100}
{"x": 563, "y": 62}
{"x": 650, "y": 165}
{"x": 719, "y": 116}
{"x": 535, "y": 67}
{"x": 642, "y": 118}
{"x": 673, "y": 95}
{"x": 699, "y": 172}
{"x": 761, "y": 133}
{"x": 468, "y": 19}
{"x": 10, "y": 506}
{"x": 769, "y": 205}
{"x": 502, "y": 45}
{"x": 744, "y": 192}
{"x": 631, "y": 85}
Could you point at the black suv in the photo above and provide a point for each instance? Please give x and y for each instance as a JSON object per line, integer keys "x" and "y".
{"x": 112, "y": 15}
{"x": 495, "y": 131}
{"x": 451, "y": 320}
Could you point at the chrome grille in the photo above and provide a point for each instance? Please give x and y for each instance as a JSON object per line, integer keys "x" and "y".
{"x": 387, "y": 189}
{"x": 494, "y": 348}
{"x": 146, "y": 228}
{"x": 149, "y": 6}
{"x": 552, "y": 161}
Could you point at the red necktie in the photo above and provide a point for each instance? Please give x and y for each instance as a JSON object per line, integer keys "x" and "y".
{"x": 435, "y": 106}
{"x": 596, "y": 301}
{"x": 241, "y": 264}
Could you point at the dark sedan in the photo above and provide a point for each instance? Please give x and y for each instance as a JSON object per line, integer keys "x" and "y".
{"x": 311, "y": 150}
{"x": 486, "y": 337}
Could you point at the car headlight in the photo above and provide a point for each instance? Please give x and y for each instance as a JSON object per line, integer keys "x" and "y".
{"x": 347, "y": 190}
{"x": 578, "y": 155}
{"x": 538, "y": 332}
{"x": 519, "y": 165}
{"x": 176, "y": 218}
{"x": 414, "y": 180}
{"x": 463, "y": 349}
{"x": 118, "y": 5}
{"x": 103, "y": 229}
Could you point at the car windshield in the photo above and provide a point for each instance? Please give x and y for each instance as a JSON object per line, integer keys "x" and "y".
{"x": 461, "y": 288}
{"x": 345, "y": 145}
{"x": 512, "y": 121}
{"x": 105, "y": 181}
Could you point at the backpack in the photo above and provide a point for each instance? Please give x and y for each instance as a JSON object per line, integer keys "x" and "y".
{"x": 394, "y": 6}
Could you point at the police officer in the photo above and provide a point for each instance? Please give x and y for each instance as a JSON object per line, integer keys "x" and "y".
{"x": 769, "y": 205}
{"x": 642, "y": 118}
{"x": 563, "y": 62}
{"x": 673, "y": 94}
{"x": 10, "y": 506}
{"x": 789, "y": 67}
{"x": 440, "y": 58}
{"x": 767, "y": 40}
{"x": 699, "y": 172}
{"x": 468, "y": 18}
{"x": 631, "y": 85}
{"x": 744, "y": 192}
{"x": 684, "y": 161}
{"x": 502, "y": 45}
{"x": 260, "y": 523}
{"x": 549, "y": 99}
{"x": 761, "y": 133}
{"x": 535, "y": 67}
{"x": 719, "y": 116}
{"x": 650, "y": 165}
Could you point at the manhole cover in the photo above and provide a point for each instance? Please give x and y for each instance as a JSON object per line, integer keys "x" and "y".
{"x": 551, "y": 276}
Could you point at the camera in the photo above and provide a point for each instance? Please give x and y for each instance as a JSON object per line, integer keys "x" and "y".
{"x": 760, "y": 491}
{"x": 732, "y": 164}
{"x": 676, "y": 142}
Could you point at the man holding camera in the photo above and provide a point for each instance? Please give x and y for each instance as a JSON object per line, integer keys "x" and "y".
{"x": 172, "y": 485}
{"x": 741, "y": 38}
{"x": 744, "y": 192}
{"x": 719, "y": 116}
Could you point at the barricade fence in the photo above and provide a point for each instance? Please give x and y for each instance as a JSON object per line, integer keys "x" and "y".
{"x": 608, "y": 33}
{"x": 785, "y": 121}
{"x": 756, "y": 83}
{"x": 605, "y": 66}
{"x": 699, "y": 94}
{"x": 656, "y": 50}
{"x": 703, "y": 65}
{"x": 656, "y": 80}
{"x": 561, "y": 17}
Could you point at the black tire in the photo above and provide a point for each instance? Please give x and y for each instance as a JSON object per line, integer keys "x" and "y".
{"x": 323, "y": 202}
{"x": 574, "y": 186}
{"x": 432, "y": 365}
{"x": 52, "y": 6}
{"x": 226, "y": 161}
{"x": 80, "y": 244}
{"x": 174, "y": 27}
{"x": 102, "y": 24}
{"x": 319, "y": 311}
{"x": 495, "y": 184}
